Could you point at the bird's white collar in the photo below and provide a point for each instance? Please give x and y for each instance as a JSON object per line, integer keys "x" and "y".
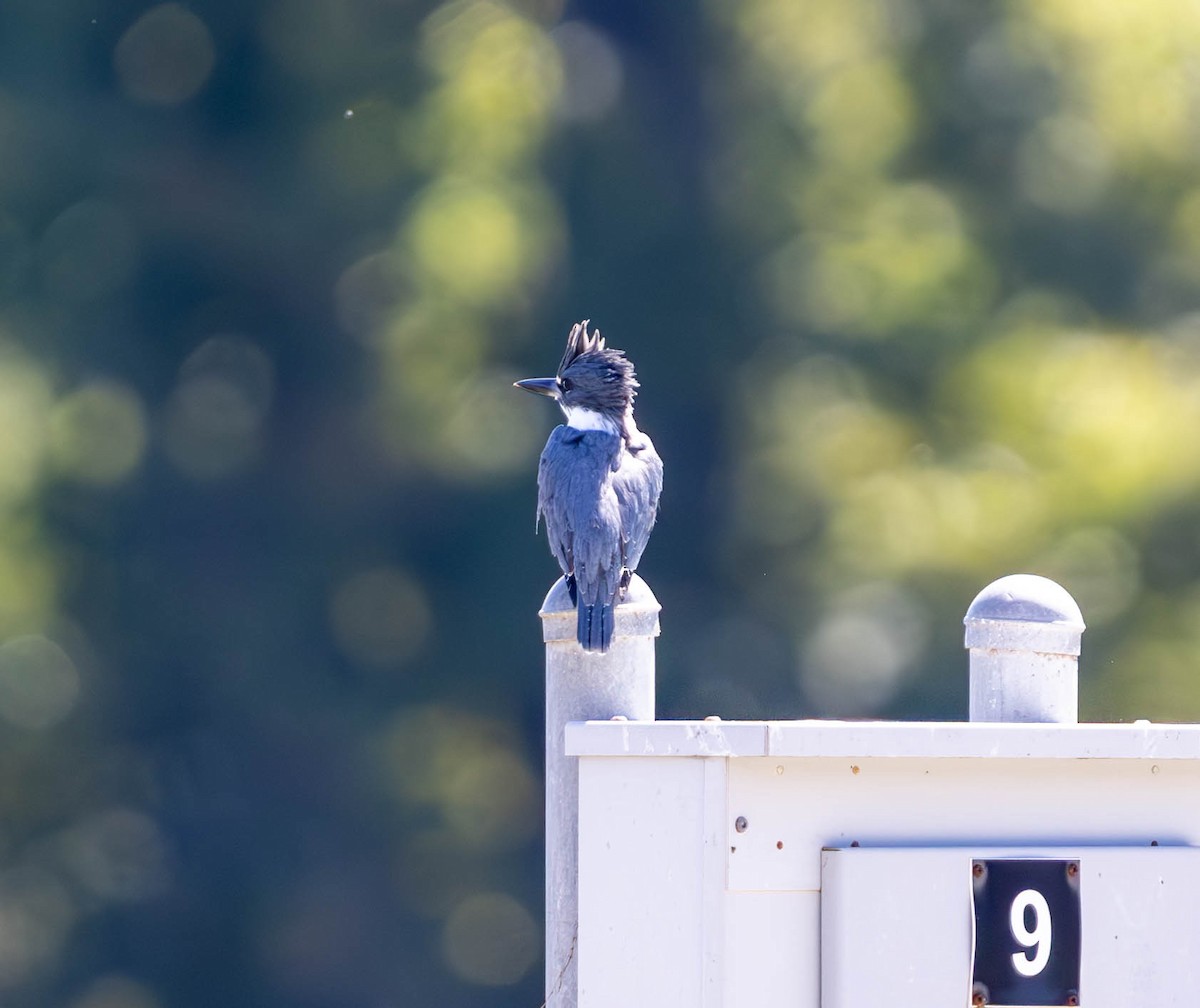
{"x": 586, "y": 419}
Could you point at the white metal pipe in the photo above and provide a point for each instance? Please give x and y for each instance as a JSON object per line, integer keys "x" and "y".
{"x": 584, "y": 687}
{"x": 1024, "y": 634}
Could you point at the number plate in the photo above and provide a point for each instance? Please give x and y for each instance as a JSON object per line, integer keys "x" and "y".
{"x": 1027, "y": 932}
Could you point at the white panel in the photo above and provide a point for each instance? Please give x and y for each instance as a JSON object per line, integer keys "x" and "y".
{"x": 795, "y": 807}
{"x": 641, "y": 883}
{"x": 896, "y": 929}
{"x": 896, "y": 925}
{"x": 983, "y": 740}
{"x": 860, "y": 739}
{"x": 713, "y": 882}
{"x": 773, "y": 945}
{"x": 667, "y": 738}
{"x": 1141, "y": 929}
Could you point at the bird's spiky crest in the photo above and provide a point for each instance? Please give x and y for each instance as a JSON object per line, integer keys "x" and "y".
{"x": 580, "y": 342}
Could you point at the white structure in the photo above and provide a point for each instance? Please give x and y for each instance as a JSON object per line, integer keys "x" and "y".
{"x": 839, "y": 864}
{"x": 1024, "y": 634}
{"x": 580, "y": 687}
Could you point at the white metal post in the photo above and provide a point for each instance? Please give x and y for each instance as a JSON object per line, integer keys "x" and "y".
{"x": 1024, "y": 634}
{"x": 584, "y": 687}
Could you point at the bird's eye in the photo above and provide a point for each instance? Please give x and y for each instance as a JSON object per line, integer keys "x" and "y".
{"x": 566, "y": 384}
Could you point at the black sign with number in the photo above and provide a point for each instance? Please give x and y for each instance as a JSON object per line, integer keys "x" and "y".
{"x": 1027, "y": 932}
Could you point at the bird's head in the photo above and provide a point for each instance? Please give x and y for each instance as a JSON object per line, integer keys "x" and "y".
{"x": 594, "y": 386}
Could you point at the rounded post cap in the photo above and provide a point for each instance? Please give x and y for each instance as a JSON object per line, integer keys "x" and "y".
{"x": 636, "y": 616}
{"x": 1025, "y": 612}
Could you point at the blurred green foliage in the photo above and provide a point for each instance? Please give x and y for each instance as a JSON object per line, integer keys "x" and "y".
{"x": 912, "y": 291}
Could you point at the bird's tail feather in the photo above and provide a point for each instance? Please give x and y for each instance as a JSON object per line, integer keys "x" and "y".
{"x": 595, "y": 627}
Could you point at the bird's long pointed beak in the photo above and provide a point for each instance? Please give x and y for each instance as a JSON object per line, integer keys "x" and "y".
{"x": 542, "y": 386}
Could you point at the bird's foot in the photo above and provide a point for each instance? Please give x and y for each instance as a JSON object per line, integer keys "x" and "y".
{"x": 626, "y": 577}
{"x": 571, "y": 589}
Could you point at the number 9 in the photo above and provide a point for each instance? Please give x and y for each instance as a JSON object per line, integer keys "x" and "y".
{"x": 1037, "y": 939}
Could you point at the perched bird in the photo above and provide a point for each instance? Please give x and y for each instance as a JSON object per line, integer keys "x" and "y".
{"x": 599, "y": 479}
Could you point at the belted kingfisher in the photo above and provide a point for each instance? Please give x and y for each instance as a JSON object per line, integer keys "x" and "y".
{"x": 599, "y": 479}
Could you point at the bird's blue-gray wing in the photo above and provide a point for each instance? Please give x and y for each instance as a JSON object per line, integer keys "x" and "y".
{"x": 583, "y": 522}
{"x": 638, "y": 483}
{"x": 554, "y": 476}
{"x": 577, "y": 502}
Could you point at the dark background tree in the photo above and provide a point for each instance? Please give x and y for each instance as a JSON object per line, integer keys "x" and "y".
{"x": 911, "y": 288}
